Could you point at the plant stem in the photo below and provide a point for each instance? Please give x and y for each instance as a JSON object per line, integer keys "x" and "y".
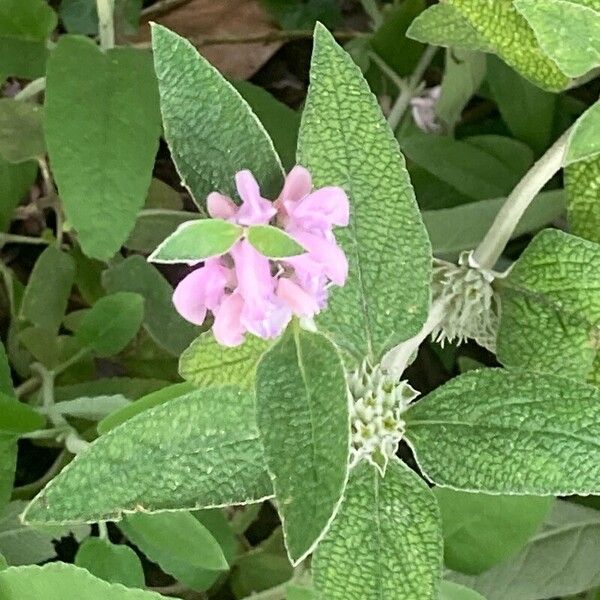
{"x": 388, "y": 71}
{"x": 32, "y": 89}
{"x": 403, "y": 101}
{"x": 491, "y": 247}
{"x": 106, "y": 25}
{"x": 372, "y": 9}
{"x": 11, "y": 238}
{"x": 102, "y": 530}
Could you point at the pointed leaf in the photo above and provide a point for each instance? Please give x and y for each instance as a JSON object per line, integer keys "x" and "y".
{"x": 154, "y": 225}
{"x": 582, "y": 182}
{"x": 273, "y": 242}
{"x": 195, "y": 241}
{"x": 302, "y": 415}
{"x": 345, "y": 141}
{"x": 92, "y": 408}
{"x": 386, "y": 541}
{"x": 539, "y": 434}
{"x": 196, "y": 451}
{"x": 57, "y": 581}
{"x": 17, "y": 418}
{"x": 211, "y": 130}
{"x": 101, "y": 140}
{"x": 584, "y": 141}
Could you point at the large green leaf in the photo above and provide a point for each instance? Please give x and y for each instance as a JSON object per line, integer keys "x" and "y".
{"x": 210, "y": 128}
{"x": 481, "y": 531}
{"x": 584, "y": 140}
{"x": 207, "y": 363}
{"x": 102, "y": 138}
{"x": 568, "y": 31}
{"x": 386, "y": 541}
{"x": 509, "y": 432}
{"x": 17, "y": 418}
{"x": 302, "y": 415}
{"x": 582, "y": 183}
{"x": 344, "y": 140}
{"x": 197, "y": 451}
{"x": 48, "y": 289}
{"x": 560, "y": 560}
{"x": 58, "y": 581}
{"x": 551, "y": 306}
{"x": 111, "y": 562}
{"x": 161, "y": 320}
{"x": 21, "y": 135}
{"x": 15, "y": 180}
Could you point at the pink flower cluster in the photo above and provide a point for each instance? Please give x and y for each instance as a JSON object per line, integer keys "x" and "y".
{"x": 248, "y": 292}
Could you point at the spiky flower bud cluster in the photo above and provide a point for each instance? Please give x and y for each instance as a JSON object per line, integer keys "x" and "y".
{"x": 378, "y": 402}
{"x": 472, "y": 306}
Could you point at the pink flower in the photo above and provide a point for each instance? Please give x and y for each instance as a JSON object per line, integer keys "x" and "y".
{"x": 248, "y": 292}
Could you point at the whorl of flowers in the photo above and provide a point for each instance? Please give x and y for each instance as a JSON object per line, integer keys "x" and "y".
{"x": 472, "y": 306}
{"x": 248, "y": 292}
{"x": 377, "y": 404}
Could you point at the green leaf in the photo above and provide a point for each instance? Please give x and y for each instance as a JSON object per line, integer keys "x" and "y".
{"x": 295, "y": 592}
{"x": 452, "y": 230}
{"x": 195, "y": 241}
{"x": 18, "y": 418}
{"x": 281, "y": 122}
{"x": 25, "y": 544}
{"x": 57, "y": 581}
{"x": 154, "y": 225}
{"x": 509, "y": 432}
{"x": 151, "y": 400}
{"x": 568, "y": 32}
{"x": 211, "y": 130}
{"x": 521, "y": 50}
{"x": 8, "y": 464}
{"x": 584, "y": 141}
{"x": 3, "y": 563}
{"x": 88, "y": 276}
{"x": 48, "y": 289}
{"x": 21, "y": 134}
{"x": 126, "y": 386}
{"x": 6, "y": 383}
{"x": 25, "y": 26}
{"x": 551, "y": 306}
{"x": 464, "y": 73}
{"x": 80, "y": 16}
{"x": 302, "y": 415}
{"x": 15, "y": 181}
{"x": 481, "y": 531}
{"x": 197, "y": 451}
{"x": 92, "y": 408}
{"x": 273, "y": 242}
{"x": 560, "y": 560}
{"x": 345, "y": 141}
{"x": 303, "y": 14}
{"x": 525, "y": 108}
{"x": 161, "y": 320}
{"x": 443, "y": 25}
{"x": 386, "y": 541}
{"x": 101, "y": 140}
{"x": 179, "y": 543}
{"x": 480, "y": 167}
{"x": 115, "y": 564}
{"x": 111, "y": 323}
{"x": 582, "y": 182}
{"x": 453, "y": 591}
{"x": 207, "y": 363}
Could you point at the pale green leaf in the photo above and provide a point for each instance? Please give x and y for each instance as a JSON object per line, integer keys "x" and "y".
{"x": 481, "y": 531}
{"x": 161, "y": 320}
{"x": 302, "y": 415}
{"x": 115, "y": 564}
{"x": 345, "y": 141}
{"x": 454, "y": 591}
{"x": 568, "y": 32}
{"x": 21, "y": 134}
{"x": 151, "y": 400}
{"x": 154, "y": 225}
{"x": 584, "y": 140}
{"x": 273, "y": 242}
{"x": 452, "y": 230}
{"x": 48, "y": 289}
{"x": 386, "y": 541}
{"x": 179, "y": 543}
{"x": 129, "y": 387}
{"x": 560, "y": 560}
{"x": 92, "y": 408}
{"x": 17, "y": 418}
{"x": 58, "y": 581}
{"x": 207, "y": 363}
{"x": 111, "y": 323}
{"x": 197, "y": 451}
{"x": 15, "y": 180}
{"x": 197, "y": 240}
{"x": 102, "y": 138}
{"x": 551, "y": 306}
{"x": 444, "y": 25}
{"x": 582, "y": 183}
{"x": 509, "y": 432}
{"x": 211, "y": 130}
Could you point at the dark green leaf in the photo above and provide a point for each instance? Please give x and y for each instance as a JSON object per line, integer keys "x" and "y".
{"x": 303, "y": 14}
{"x": 154, "y": 225}
{"x": 15, "y": 180}
{"x": 21, "y": 134}
{"x": 17, "y": 418}
{"x": 8, "y": 464}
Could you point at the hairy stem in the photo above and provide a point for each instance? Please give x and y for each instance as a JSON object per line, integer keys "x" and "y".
{"x": 491, "y": 247}
{"x": 106, "y": 25}
{"x": 11, "y": 238}
{"x": 32, "y": 89}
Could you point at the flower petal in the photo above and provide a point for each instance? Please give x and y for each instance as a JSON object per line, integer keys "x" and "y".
{"x": 298, "y": 184}
{"x": 228, "y": 329}
{"x": 322, "y": 209}
{"x": 220, "y": 206}
{"x": 298, "y": 299}
{"x": 255, "y": 210}
{"x": 326, "y": 253}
